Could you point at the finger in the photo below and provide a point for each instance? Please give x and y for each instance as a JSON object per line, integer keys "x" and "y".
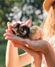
{"x": 11, "y": 36}
{"x": 9, "y": 25}
{"x": 7, "y": 34}
{"x": 8, "y": 38}
{"x": 6, "y": 30}
{"x": 14, "y": 24}
{"x": 4, "y": 34}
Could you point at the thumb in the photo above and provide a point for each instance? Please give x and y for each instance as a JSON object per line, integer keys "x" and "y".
{"x": 9, "y": 27}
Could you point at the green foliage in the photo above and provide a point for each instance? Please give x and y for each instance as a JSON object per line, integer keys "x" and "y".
{"x": 39, "y": 2}
{"x": 2, "y": 54}
{"x": 5, "y": 6}
{"x": 2, "y": 31}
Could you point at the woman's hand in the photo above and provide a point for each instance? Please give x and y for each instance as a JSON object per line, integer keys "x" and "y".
{"x": 10, "y": 36}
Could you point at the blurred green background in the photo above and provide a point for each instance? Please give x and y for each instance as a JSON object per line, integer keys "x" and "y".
{"x": 6, "y": 7}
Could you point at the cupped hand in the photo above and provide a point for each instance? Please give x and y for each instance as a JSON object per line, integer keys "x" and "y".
{"x": 10, "y": 36}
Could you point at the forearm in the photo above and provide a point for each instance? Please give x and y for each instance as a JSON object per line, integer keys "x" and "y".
{"x": 11, "y": 55}
{"x": 46, "y": 49}
{"x": 40, "y": 45}
{"x": 50, "y": 57}
{"x": 26, "y": 59}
